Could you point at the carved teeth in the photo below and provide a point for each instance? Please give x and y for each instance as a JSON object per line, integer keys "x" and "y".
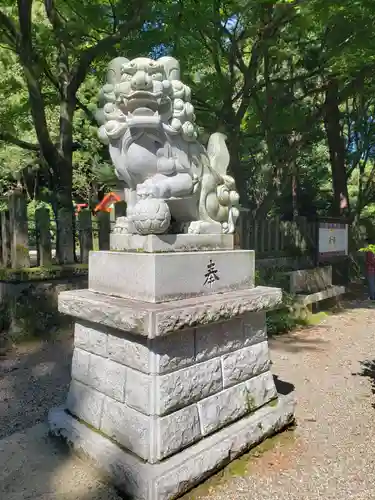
{"x": 143, "y": 112}
{"x": 135, "y": 103}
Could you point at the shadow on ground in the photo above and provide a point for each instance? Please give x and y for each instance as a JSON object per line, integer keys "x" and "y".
{"x": 301, "y": 340}
{"x": 33, "y": 378}
{"x": 284, "y": 388}
{"x": 34, "y": 466}
{"x": 368, "y": 370}
{"x": 309, "y": 338}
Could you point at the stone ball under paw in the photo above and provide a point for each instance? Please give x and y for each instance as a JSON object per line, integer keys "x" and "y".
{"x": 151, "y": 216}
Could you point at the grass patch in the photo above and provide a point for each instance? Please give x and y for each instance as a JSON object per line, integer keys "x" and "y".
{"x": 273, "y": 403}
{"x": 285, "y": 320}
{"x": 42, "y": 273}
{"x": 241, "y": 466}
{"x": 317, "y": 318}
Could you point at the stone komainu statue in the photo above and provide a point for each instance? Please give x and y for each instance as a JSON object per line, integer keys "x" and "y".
{"x": 173, "y": 183}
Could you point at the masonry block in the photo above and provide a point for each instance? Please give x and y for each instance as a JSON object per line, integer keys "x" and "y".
{"x": 85, "y": 403}
{"x": 126, "y": 426}
{"x": 245, "y": 363}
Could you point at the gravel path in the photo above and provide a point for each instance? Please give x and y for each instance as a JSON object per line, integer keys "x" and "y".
{"x": 330, "y": 454}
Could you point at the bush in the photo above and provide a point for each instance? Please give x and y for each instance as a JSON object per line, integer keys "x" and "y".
{"x": 273, "y": 276}
{"x": 289, "y": 316}
{"x": 281, "y": 321}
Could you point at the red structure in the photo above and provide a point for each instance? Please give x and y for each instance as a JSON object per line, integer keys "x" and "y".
{"x": 79, "y": 206}
{"x": 106, "y": 204}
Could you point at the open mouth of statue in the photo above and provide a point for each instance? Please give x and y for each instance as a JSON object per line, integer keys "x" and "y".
{"x": 142, "y": 112}
{"x": 144, "y": 109}
{"x": 142, "y": 102}
{"x": 140, "y": 106}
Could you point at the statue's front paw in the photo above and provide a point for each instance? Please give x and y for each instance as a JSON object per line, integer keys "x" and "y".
{"x": 195, "y": 227}
{"x": 204, "y": 227}
{"x": 225, "y": 228}
{"x": 123, "y": 226}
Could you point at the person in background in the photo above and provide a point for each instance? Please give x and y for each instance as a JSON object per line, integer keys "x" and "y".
{"x": 370, "y": 271}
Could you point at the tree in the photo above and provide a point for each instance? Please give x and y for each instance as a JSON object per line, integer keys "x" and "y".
{"x": 346, "y": 48}
{"x": 274, "y": 76}
{"x": 223, "y": 48}
{"x": 55, "y": 43}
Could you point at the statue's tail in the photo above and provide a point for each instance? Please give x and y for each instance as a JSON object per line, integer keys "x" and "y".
{"x": 218, "y": 153}
{"x": 221, "y": 184}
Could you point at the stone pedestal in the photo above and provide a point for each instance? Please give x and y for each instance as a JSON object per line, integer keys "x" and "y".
{"x": 171, "y": 386}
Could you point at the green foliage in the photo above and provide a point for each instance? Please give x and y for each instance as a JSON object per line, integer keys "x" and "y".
{"x": 259, "y": 71}
{"x": 281, "y": 321}
{"x": 266, "y": 89}
{"x": 52, "y": 62}
{"x": 43, "y": 273}
{"x": 368, "y": 248}
{"x": 273, "y": 276}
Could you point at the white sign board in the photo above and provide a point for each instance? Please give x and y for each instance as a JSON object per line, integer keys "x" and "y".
{"x": 333, "y": 239}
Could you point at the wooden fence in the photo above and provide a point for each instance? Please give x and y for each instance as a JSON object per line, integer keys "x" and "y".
{"x": 276, "y": 238}
{"x": 31, "y": 242}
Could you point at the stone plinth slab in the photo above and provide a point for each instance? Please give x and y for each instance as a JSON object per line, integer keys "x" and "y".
{"x": 310, "y": 280}
{"x": 330, "y": 293}
{"x": 171, "y": 242}
{"x": 231, "y": 404}
{"x": 173, "y": 476}
{"x": 156, "y": 379}
{"x": 160, "y": 277}
{"x": 155, "y": 320}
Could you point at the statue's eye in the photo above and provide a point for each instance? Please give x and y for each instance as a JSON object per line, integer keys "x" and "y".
{"x": 129, "y": 68}
{"x": 157, "y": 76}
{"x": 126, "y": 77}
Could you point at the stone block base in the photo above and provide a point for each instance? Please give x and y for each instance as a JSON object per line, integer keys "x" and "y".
{"x": 168, "y": 276}
{"x": 329, "y": 293}
{"x": 174, "y": 476}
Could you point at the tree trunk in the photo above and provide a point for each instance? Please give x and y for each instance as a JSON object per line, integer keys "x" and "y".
{"x": 65, "y": 240}
{"x": 58, "y": 159}
{"x": 337, "y": 153}
{"x": 235, "y": 168}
